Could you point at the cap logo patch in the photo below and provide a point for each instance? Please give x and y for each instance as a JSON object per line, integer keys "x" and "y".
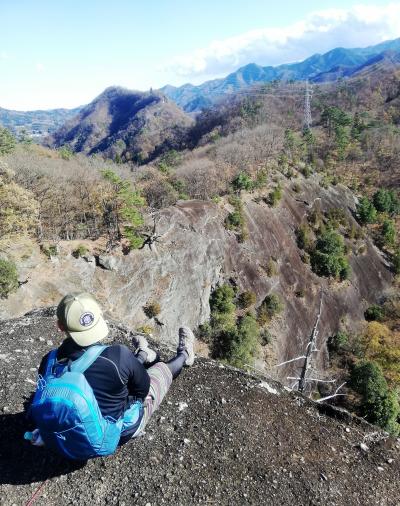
{"x": 86, "y": 319}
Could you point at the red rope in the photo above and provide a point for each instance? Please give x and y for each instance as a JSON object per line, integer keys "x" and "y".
{"x": 36, "y": 494}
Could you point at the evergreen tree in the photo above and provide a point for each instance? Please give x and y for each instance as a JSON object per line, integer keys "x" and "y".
{"x": 123, "y": 215}
{"x": 379, "y": 405}
{"x": 366, "y": 211}
{"x": 7, "y": 141}
{"x": 8, "y": 278}
{"x": 385, "y": 201}
{"x": 328, "y": 258}
{"x": 387, "y": 233}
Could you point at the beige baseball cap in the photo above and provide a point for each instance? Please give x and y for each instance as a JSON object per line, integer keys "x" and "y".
{"x": 82, "y": 318}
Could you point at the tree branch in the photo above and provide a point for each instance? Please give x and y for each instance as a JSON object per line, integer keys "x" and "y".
{"x": 336, "y": 394}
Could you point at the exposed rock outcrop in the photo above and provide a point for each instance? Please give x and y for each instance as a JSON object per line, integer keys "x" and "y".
{"x": 195, "y": 252}
{"x": 220, "y": 437}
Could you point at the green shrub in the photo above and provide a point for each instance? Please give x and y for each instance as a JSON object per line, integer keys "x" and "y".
{"x": 336, "y": 217}
{"x": 222, "y": 321}
{"x": 367, "y": 379}
{"x": 80, "y": 251}
{"x": 271, "y": 268}
{"x": 385, "y": 201}
{"x": 275, "y": 196}
{"x": 261, "y": 179}
{"x": 270, "y": 307}
{"x": 374, "y": 313}
{"x": 379, "y": 405}
{"x": 307, "y": 171}
{"x": 152, "y": 309}
{"x": 303, "y": 235}
{"x": 221, "y": 299}
{"x": 50, "y": 250}
{"x": 235, "y": 220}
{"x": 244, "y": 345}
{"x": 135, "y": 240}
{"x": 168, "y": 160}
{"x": 366, "y": 211}
{"x": 205, "y": 332}
{"x": 242, "y": 182}
{"x": 396, "y": 261}
{"x": 328, "y": 258}
{"x": 338, "y": 341}
{"x": 222, "y": 342}
{"x": 7, "y": 141}
{"x": 8, "y": 278}
{"x": 66, "y": 153}
{"x": 231, "y": 340}
{"x": 247, "y": 299}
{"x": 387, "y": 234}
{"x": 179, "y": 185}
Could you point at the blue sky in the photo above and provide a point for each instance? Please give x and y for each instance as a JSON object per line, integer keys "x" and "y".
{"x": 62, "y": 53}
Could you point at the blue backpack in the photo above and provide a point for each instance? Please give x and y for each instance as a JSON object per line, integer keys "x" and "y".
{"x": 67, "y": 413}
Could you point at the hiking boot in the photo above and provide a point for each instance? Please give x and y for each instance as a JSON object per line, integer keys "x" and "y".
{"x": 186, "y": 343}
{"x": 142, "y": 347}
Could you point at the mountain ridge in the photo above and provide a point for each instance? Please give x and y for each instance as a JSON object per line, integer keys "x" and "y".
{"x": 359, "y": 56}
{"x": 188, "y": 96}
{"x": 125, "y": 125}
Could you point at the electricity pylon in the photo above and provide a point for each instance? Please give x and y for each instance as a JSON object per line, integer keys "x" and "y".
{"x": 307, "y": 107}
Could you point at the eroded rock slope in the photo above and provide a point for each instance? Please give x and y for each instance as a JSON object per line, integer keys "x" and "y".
{"x": 195, "y": 252}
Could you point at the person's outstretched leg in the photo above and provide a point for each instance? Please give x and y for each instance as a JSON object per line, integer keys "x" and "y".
{"x": 161, "y": 374}
{"x": 184, "y": 352}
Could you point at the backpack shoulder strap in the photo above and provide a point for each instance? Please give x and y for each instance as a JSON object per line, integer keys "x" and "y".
{"x": 87, "y": 359}
{"x": 51, "y": 361}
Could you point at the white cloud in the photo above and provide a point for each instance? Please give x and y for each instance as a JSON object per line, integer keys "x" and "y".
{"x": 39, "y": 67}
{"x": 320, "y": 31}
{"x": 4, "y": 55}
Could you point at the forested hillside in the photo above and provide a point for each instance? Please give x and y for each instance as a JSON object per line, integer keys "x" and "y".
{"x": 124, "y": 125}
{"x": 35, "y": 124}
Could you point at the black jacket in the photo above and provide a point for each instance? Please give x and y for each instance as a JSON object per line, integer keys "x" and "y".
{"x": 116, "y": 376}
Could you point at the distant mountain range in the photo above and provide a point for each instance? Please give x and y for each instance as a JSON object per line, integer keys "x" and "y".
{"x": 335, "y": 64}
{"x": 36, "y": 123}
{"x": 339, "y": 62}
{"x": 124, "y": 125}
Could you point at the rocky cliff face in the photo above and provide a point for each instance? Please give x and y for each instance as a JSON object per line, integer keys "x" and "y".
{"x": 195, "y": 252}
{"x": 220, "y": 437}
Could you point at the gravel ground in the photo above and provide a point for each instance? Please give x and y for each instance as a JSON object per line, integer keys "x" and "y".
{"x": 220, "y": 437}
